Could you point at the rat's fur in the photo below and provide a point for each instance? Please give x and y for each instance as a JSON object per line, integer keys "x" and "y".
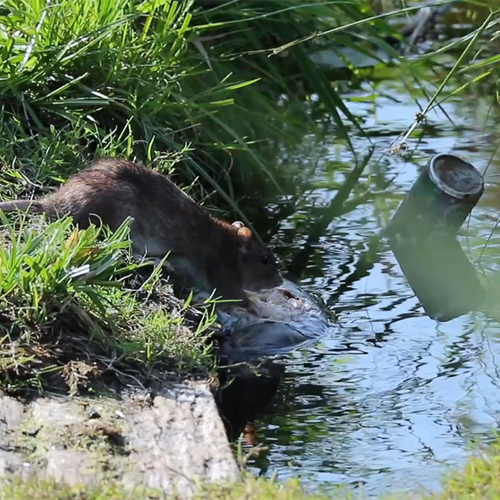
{"x": 227, "y": 256}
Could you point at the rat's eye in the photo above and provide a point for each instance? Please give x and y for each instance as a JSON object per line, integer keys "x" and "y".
{"x": 265, "y": 259}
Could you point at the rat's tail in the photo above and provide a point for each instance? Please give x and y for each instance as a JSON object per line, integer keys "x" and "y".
{"x": 22, "y": 205}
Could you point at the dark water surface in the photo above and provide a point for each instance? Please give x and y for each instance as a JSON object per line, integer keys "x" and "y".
{"x": 390, "y": 399}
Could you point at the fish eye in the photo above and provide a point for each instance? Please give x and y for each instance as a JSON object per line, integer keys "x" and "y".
{"x": 265, "y": 259}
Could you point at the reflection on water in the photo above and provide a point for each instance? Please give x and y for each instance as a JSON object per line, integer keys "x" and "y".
{"x": 391, "y": 399}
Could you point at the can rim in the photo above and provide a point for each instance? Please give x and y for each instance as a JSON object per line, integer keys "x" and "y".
{"x": 475, "y": 189}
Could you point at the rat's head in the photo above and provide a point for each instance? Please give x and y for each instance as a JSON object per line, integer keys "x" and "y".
{"x": 258, "y": 265}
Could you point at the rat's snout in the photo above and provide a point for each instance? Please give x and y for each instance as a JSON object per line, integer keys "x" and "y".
{"x": 278, "y": 281}
{"x": 274, "y": 282}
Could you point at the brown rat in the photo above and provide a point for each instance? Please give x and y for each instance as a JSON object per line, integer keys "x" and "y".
{"x": 227, "y": 256}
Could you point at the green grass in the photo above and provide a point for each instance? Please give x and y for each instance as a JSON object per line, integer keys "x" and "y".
{"x": 159, "y": 75}
{"x": 75, "y": 309}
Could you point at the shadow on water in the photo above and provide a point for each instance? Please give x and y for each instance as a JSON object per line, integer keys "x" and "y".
{"x": 246, "y": 392}
{"x": 391, "y": 399}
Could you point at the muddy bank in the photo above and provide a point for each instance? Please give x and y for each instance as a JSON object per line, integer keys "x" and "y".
{"x": 167, "y": 441}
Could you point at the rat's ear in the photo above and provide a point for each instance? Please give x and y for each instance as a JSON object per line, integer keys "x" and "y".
{"x": 244, "y": 239}
{"x": 238, "y": 224}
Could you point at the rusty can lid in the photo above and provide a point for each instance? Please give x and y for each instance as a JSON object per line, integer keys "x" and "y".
{"x": 456, "y": 177}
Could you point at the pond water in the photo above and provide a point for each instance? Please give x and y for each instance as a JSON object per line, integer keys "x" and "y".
{"x": 390, "y": 399}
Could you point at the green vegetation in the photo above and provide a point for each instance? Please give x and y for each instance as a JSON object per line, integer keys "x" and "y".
{"x": 144, "y": 78}
{"x": 74, "y": 307}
